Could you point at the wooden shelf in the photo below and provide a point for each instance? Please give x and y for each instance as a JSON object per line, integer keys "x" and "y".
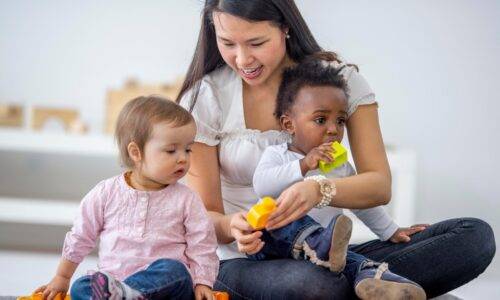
{"x": 37, "y": 211}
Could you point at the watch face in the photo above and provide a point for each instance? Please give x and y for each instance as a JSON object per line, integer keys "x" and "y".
{"x": 324, "y": 188}
{"x": 327, "y": 189}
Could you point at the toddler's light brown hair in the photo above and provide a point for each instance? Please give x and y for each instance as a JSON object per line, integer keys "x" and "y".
{"x": 137, "y": 118}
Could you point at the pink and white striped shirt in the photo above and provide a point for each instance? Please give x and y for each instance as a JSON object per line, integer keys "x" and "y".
{"x": 136, "y": 228}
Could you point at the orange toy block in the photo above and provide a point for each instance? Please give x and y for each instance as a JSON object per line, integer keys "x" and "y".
{"x": 38, "y": 296}
{"x": 259, "y": 213}
{"x": 221, "y": 295}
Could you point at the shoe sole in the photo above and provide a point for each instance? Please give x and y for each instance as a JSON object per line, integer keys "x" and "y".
{"x": 340, "y": 241}
{"x": 375, "y": 289}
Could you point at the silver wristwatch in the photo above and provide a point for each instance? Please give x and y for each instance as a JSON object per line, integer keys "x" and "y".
{"x": 326, "y": 188}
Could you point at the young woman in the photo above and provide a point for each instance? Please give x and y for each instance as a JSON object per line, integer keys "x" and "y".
{"x": 231, "y": 89}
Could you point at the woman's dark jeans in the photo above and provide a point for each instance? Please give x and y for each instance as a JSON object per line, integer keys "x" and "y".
{"x": 441, "y": 258}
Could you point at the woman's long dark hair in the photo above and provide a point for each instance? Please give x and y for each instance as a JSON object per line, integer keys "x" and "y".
{"x": 283, "y": 13}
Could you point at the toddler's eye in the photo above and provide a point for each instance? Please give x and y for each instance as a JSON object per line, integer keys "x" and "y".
{"x": 189, "y": 150}
{"x": 170, "y": 151}
{"x": 341, "y": 121}
{"x": 320, "y": 120}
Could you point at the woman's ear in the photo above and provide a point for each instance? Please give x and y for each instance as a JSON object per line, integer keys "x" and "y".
{"x": 286, "y": 30}
{"x": 287, "y": 124}
{"x": 134, "y": 152}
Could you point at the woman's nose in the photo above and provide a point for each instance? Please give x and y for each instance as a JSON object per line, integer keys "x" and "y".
{"x": 243, "y": 57}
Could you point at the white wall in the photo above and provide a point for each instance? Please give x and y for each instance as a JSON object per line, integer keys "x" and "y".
{"x": 433, "y": 64}
{"x": 68, "y": 53}
{"x": 435, "y": 68}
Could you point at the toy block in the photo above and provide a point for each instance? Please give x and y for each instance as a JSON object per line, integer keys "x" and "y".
{"x": 11, "y": 115}
{"x": 42, "y": 115}
{"x": 221, "y": 295}
{"x": 339, "y": 158}
{"x": 259, "y": 213}
{"x": 38, "y": 296}
{"x": 117, "y": 98}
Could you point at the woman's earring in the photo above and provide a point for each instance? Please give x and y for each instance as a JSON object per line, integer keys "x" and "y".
{"x": 287, "y": 36}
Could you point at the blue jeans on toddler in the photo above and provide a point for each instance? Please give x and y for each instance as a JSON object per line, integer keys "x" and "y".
{"x": 163, "y": 279}
{"x": 281, "y": 243}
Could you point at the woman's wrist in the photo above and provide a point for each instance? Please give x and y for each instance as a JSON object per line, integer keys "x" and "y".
{"x": 228, "y": 232}
{"x": 229, "y": 225}
{"x": 314, "y": 187}
{"x": 222, "y": 224}
{"x": 327, "y": 190}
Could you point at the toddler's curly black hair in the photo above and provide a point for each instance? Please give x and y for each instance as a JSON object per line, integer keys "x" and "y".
{"x": 316, "y": 70}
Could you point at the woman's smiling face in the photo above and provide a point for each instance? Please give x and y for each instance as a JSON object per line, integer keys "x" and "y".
{"x": 255, "y": 50}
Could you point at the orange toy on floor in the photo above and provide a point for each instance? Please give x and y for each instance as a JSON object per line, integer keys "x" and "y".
{"x": 38, "y": 296}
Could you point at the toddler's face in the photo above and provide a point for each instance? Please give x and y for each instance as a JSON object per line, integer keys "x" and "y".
{"x": 318, "y": 116}
{"x": 167, "y": 153}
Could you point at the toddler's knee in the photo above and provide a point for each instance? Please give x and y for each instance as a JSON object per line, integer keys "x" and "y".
{"x": 80, "y": 289}
{"x": 172, "y": 266}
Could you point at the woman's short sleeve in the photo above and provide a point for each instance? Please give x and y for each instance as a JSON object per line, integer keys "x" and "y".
{"x": 359, "y": 91}
{"x": 207, "y": 113}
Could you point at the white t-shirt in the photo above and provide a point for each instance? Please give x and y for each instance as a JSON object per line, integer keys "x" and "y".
{"x": 279, "y": 168}
{"x": 220, "y": 122}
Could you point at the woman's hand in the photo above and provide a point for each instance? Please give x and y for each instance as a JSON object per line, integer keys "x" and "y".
{"x": 294, "y": 203}
{"x": 203, "y": 292}
{"x": 311, "y": 160}
{"x": 402, "y": 235}
{"x": 58, "y": 284}
{"x": 248, "y": 241}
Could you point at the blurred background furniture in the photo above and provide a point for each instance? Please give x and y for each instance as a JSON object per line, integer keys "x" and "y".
{"x": 117, "y": 98}
{"x": 45, "y": 175}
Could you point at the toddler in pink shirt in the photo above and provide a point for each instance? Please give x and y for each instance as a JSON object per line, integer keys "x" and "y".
{"x": 156, "y": 239}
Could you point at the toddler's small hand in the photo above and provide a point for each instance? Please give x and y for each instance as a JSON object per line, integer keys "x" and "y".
{"x": 58, "y": 284}
{"x": 402, "y": 235}
{"x": 203, "y": 292}
{"x": 311, "y": 160}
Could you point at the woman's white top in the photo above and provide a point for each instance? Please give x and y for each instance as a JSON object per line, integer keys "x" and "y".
{"x": 220, "y": 122}
{"x": 279, "y": 168}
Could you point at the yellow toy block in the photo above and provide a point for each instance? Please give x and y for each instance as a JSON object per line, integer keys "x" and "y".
{"x": 259, "y": 213}
{"x": 38, "y": 296}
{"x": 339, "y": 158}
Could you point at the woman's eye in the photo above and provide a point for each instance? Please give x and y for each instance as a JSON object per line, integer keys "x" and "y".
{"x": 257, "y": 44}
{"x": 320, "y": 120}
{"x": 228, "y": 44}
